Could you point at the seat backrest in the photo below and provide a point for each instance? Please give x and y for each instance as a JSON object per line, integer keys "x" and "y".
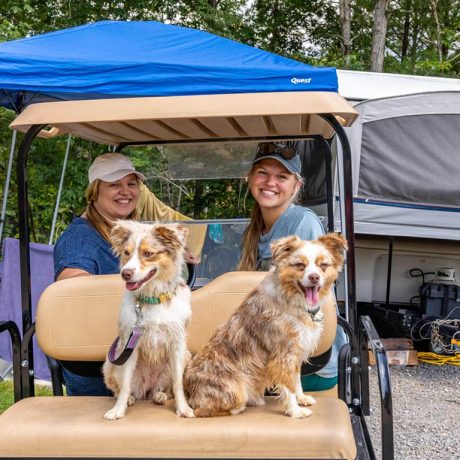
{"x": 77, "y": 318}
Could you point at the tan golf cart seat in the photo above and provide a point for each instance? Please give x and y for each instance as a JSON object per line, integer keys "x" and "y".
{"x": 77, "y": 320}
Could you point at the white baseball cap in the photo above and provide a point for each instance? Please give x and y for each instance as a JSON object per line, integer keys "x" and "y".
{"x": 110, "y": 167}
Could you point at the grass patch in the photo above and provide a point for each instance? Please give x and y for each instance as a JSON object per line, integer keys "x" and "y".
{"x": 7, "y": 393}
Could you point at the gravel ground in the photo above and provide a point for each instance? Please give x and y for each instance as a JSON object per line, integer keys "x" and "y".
{"x": 426, "y": 412}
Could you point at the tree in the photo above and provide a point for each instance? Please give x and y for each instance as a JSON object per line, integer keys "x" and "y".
{"x": 379, "y": 32}
{"x": 345, "y": 21}
{"x": 419, "y": 36}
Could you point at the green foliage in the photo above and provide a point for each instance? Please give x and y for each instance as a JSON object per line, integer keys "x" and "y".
{"x": 7, "y": 393}
{"x": 421, "y": 39}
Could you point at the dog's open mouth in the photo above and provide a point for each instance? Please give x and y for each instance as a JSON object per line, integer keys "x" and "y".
{"x": 135, "y": 285}
{"x": 311, "y": 294}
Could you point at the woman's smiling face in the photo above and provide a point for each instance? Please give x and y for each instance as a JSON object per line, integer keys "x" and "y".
{"x": 272, "y": 185}
{"x": 118, "y": 199}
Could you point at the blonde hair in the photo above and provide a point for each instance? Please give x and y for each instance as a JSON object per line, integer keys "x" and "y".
{"x": 94, "y": 217}
{"x": 251, "y": 235}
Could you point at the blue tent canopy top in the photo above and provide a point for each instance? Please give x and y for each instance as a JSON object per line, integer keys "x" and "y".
{"x": 118, "y": 82}
{"x": 130, "y": 59}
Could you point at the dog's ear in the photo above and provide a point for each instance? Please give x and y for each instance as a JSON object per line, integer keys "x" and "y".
{"x": 120, "y": 234}
{"x": 172, "y": 236}
{"x": 337, "y": 245}
{"x": 284, "y": 246}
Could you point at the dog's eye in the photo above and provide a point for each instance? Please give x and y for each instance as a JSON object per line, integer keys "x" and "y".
{"x": 324, "y": 267}
{"x": 147, "y": 254}
{"x": 126, "y": 253}
{"x": 300, "y": 266}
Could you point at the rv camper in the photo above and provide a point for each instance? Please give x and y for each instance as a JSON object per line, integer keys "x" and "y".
{"x": 405, "y": 148}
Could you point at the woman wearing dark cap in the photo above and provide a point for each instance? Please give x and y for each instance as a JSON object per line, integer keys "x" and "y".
{"x": 275, "y": 181}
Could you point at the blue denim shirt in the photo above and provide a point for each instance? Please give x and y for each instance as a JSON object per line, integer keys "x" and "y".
{"x": 81, "y": 246}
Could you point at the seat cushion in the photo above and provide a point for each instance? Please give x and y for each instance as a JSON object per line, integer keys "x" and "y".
{"x": 74, "y": 426}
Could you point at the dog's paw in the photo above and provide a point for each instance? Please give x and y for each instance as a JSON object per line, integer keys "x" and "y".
{"x": 114, "y": 414}
{"x": 185, "y": 412}
{"x": 160, "y": 398}
{"x": 299, "y": 412}
{"x": 237, "y": 410}
{"x": 131, "y": 400}
{"x": 306, "y": 400}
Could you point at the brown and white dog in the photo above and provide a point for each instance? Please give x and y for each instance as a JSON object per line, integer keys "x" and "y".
{"x": 275, "y": 329}
{"x": 158, "y": 301}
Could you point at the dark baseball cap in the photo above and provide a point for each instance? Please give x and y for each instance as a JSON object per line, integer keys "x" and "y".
{"x": 289, "y": 157}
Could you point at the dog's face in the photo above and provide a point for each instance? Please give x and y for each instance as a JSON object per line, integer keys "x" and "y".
{"x": 308, "y": 268}
{"x": 148, "y": 252}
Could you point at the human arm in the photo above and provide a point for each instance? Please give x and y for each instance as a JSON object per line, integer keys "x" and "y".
{"x": 71, "y": 273}
{"x": 81, "y": 250}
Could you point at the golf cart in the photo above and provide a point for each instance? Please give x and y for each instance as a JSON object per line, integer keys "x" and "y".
{"x": 76, "y": 318}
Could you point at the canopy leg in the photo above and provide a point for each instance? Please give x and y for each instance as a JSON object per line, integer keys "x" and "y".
{"x": 7, "y": 181}
{"x": 61, "y": 183}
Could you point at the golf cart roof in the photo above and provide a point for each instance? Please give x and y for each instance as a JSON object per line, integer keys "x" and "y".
{"x": 188, "y": 118}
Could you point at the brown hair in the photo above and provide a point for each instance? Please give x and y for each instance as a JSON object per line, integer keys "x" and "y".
{"x": 94, "y": 217}
{"x": 248, "y": 261}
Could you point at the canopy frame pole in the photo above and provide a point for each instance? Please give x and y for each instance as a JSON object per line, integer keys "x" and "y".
{"x": 7, "y": 181}
{"x": 349, "y": 226}
{"x": 61, "y": 184}
{"x": 24, "y": 259}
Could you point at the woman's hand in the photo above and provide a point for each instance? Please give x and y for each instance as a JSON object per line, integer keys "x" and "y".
{"x": 191, "y": 258}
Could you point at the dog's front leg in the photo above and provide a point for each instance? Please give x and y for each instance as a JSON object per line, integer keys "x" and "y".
{"x": 302, "y": 398}
{"x": 285, "y": 373}
{"x": 178, "y": 365}
{"x": 291, "y": 405}
{"x": 126, "y": 375}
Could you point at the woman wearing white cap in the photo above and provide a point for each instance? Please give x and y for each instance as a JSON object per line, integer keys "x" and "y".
{"x": 275, "y": 180}
{"x": 115, "y": 191}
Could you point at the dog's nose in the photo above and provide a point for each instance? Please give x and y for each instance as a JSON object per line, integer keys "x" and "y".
{"x": 313, "y": 278}
{"x": 127, "y": 274}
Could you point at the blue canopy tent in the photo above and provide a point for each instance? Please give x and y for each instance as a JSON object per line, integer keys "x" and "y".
{"x": 118, "y": 59}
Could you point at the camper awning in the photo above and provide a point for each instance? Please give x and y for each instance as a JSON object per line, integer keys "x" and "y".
{"x": 186, "y": 118}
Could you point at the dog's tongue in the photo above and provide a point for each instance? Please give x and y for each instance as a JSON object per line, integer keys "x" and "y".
{"x": 312, "y": 295}
{"x": 133, "y": 286}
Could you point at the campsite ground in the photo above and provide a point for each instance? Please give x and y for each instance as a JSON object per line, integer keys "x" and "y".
{"x": 426, "y": 406}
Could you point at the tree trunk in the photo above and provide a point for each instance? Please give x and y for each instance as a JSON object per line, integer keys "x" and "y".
{"x": 414, "y": 40}
{"x": 434, "y": 6}
{"x": 345, "y": 21}
{"x": 198, "y": 199}
{"x": 275, "y": 38}
{"x": 406, "y": 31}
{"x": 379, "y": 32}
